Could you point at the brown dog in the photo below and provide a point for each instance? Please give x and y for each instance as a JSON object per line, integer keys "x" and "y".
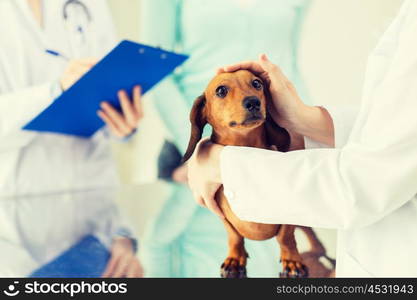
{"x": 235, "y": 105}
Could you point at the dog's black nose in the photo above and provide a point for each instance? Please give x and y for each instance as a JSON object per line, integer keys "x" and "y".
{"x": 252, "y": 104}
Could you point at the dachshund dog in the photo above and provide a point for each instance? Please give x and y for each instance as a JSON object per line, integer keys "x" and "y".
{"x": 235, "y": 105}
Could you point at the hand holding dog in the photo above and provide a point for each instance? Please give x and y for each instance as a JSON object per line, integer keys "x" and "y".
{"x": 125, "y": 123}
{"x": 287, "y": 109}
{"x": 180, "y": 174}
{"x": 204, "y": 174}
{"x": 204, "y": 165}
{"x": 286, "y": 104}
{"x": 204, "y": 177}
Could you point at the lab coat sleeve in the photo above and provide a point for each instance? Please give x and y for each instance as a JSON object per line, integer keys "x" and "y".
{"x": 20, "y": 107}
{"x": 343, "y": 120}
{"x": 160, "y": 28}
{"x": 349, "y": 187}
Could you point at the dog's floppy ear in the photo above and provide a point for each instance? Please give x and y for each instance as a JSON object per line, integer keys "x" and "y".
{"x": 198, "y": 121}
{"x": 276, "y": 135}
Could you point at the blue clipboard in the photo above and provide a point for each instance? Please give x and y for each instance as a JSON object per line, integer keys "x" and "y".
{"x": 128, "y": 64}
{"x": 86, "y": 259}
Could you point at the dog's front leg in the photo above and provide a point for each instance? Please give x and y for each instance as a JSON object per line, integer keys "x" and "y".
{"x": 292, "y": 265}
{"x": 234, "y": 265}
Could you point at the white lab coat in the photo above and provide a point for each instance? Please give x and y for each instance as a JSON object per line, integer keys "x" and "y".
{"x": 53, "y": 188}
{"x": 366, "y": 187}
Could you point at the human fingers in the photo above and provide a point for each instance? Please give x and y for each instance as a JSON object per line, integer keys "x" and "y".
{"x": 273, "y": 70}
{"x": 87, "y": 61}
{"x": 79, "y": 70}
{"x": 122, "y": 267}
{"x": 134, "y": 270}
{"x": 252, "y": 66}
{"x": 117, "y": 118}
{"x": 111, "y": 265}
{"x": 180, "y": 174}
{"x": 72, "y": 74}
{"x": 109, "y": 122}
{"x": 211, "y": 203}
{"x": 137, "y": 101}
{"x": 128, "y": 110}
{"x": 199, "y": 199}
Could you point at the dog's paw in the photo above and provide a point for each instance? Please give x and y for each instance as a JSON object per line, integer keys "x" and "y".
{"x": 293, "y": 269}
{"x": 232, "y": 269}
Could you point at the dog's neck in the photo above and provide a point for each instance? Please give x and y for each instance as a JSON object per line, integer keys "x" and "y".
{"x": 252, "y": 138}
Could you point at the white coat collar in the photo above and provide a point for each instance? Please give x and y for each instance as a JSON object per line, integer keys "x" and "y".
{"x": 29, "y": 21}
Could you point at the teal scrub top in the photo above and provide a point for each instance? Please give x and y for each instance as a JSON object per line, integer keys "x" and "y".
{"x": 186, "y": 240}
{"x": 216, "y": 33}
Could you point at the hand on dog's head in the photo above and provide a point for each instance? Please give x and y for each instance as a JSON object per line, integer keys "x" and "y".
{"x": 232, "y": 102}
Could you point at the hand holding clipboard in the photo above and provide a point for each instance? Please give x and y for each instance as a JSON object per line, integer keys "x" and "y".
{"x": 128, "y": 64}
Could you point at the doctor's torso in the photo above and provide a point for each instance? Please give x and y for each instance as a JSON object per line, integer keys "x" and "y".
{"x": 35, "y": 163}
{"x": 220, "y": 32}
{"x": 376, "y": 249}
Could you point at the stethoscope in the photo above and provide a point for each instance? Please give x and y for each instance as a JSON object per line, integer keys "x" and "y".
{"x": 78, "y": 3}
{"x": 77, "y": 30}
{"x": 77, "y": 24}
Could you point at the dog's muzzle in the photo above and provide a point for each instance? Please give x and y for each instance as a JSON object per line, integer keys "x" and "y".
{"x": 252, "y": 104}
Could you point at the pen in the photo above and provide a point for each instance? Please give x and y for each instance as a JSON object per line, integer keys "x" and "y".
{"x": 57, "y": 54}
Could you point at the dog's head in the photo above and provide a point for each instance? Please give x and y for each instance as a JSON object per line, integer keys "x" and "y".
{"x": 233, "y": 103}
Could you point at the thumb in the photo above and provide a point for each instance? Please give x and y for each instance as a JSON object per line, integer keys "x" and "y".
{"x": 210, "y": 201}
{"x": 272, "y": 69}
{"x": 88, "y": 61}
{"x": 267, "y": 65}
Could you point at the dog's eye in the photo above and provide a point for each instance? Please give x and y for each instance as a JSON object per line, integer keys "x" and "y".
{"x": 221, "y": 91}
{"x": 257, "y": 84}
